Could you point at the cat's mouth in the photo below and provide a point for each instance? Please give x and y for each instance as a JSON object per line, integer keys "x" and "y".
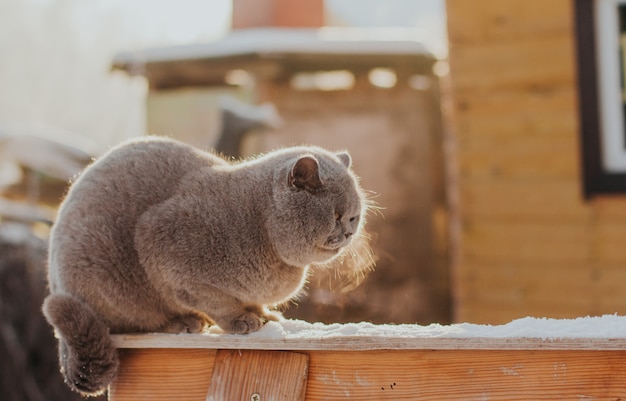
{"x": 334, "y": 244}
{"x": 330, "y": 249}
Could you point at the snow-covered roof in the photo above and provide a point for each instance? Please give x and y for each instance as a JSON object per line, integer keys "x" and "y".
{"x": 267, "y": 41}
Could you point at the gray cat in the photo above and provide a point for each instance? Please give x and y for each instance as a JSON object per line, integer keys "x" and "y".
{"x": 159, "y": 236}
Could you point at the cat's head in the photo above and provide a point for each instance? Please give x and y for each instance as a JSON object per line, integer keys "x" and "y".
{"x": 318, "y": 206}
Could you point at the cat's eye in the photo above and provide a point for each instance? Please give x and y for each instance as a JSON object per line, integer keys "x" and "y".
{"x": 337, "y": 216}
{"x": 353, "y": 219}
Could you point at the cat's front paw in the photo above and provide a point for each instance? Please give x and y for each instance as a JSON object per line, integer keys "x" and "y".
{"x": 191, "y": 323}
{"x": 249, "y": 322}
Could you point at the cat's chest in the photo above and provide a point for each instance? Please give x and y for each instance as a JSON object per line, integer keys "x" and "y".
{"x": 278, "y": 282}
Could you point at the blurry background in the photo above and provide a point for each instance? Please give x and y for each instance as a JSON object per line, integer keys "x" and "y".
{"x": 463, "y": 118}
{"x": 77, "y": 77}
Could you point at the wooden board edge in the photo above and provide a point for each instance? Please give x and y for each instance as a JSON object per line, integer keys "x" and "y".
{"x": 361, "y": 343}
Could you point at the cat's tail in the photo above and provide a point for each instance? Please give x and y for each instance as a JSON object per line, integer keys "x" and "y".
{"x": 87, "y": 355}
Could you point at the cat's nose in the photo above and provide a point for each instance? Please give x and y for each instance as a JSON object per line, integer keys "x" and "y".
{"x": 348, "y": 235}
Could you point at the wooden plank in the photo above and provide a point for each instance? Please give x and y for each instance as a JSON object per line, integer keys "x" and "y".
{"x": 531, "y": 102}
{"x": 556, "y": 159}
{"x": 536, "y": 222}
{"x": 405, "y": 375}
{"x": 612, "y": 208}
{"x": 530, "y": 201}
{"x": 608, "y": 241}
{"x": 494, "y": 296}
{"x": 500, "y": 292}
{"x": 163, "y": 374}
{"x": 466, "y": 375}
{"x": 510, "y": 303}
{"x": 259, "y": 375}
{"x": 518, "y": 118}
{"x": 478, "y": 121}
{"x": 532, "y": 241}
{"x": 548, "y": 283}
{"x": 497, "y": 20}
{"x": 609, "y": 288}
{"x": 540, "y": 63}
{"x": 514, "y": 125}
{"x": 361, "y": 343}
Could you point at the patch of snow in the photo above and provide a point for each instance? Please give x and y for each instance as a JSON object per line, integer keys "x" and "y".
{"x": 607, "y": 326}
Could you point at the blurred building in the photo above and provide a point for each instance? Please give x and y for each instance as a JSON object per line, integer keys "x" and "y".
{"x": 372, "y": 92}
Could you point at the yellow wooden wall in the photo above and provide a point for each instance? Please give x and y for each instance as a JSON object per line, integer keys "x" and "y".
{"x": 529, "y": 243}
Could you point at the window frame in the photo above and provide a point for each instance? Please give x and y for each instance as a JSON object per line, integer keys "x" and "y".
{"x": 599, "y": 175}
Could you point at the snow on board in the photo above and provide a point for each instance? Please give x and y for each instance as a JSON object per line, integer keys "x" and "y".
{"x": 607, "y": 326}
{"x": 606, "y": 332}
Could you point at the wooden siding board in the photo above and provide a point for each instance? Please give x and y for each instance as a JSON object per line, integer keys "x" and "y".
{"x": 577, "y": 276}
{"x": 609, "y": 288}
{"x": 561, "y": 292}
{"x": 536, "y": 202}
{"x": 519, "y": 136}
{"x": 513, "y": 125}
{"x": 532, "y": 241}
{"x": 536, "y": 159}
{"x": 506, "y": 21}
{"x": 523, "y": 283}
{"x": 547, "y": 289}
{"x": 611, "y": 208}
{"x": 541, "y": 63}
{"x": 610, "y": 242}
{"x": 532, "y": 102}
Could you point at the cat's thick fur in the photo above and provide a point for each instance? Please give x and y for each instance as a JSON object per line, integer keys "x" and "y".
{"x": 159, "y": 236}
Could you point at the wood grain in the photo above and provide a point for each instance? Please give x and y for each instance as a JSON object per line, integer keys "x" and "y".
{"x": 526, "y": 200}
{"x": 529, "y": 241}
{"x": 163, "y": 374}
{"x": 482, "y": 68}
{"x": 506, "y": 21}
{"x": 362, "y": 343}
{"x": 413, "y": 374}
{"x": 466, "y": 375}
{"x": 264, "y": 375}
{"x": 515, "y": 115}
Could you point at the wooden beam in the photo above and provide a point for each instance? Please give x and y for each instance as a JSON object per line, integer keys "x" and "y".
{"x": 258, "y": 375}
{"x": 530, "y": 372}
{"x": 363, "y": 343}
{"x": 488, "y": 21}
{"x": 466, "y": 375}
{"x": 163, "y": 374}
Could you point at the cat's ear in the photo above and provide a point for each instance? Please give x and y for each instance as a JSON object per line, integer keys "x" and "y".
{"x": 345, "y": 158}
{"x": 305, "y": 174}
